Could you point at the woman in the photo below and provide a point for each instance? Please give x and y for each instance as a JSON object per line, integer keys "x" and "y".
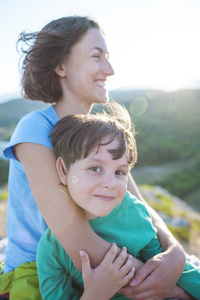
{"x": 66, "y": 65}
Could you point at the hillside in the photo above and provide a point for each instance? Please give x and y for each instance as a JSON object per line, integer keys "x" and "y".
{"x": 168, "y": 141}
{"x": 168, "y": 127}
{"x": 12, "y": 111}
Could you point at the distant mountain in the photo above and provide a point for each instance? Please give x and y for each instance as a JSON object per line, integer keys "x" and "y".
{"x": 9, "y": 96}
{"x": 12, "y": 111}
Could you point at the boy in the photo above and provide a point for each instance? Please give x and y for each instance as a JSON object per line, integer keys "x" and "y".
{"x": 94, "y": 156}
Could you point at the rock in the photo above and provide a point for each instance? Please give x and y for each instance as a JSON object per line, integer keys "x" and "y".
{"x": 3, "y": 244}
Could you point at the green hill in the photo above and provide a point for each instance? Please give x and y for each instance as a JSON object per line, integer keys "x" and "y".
{"x": 12, "y": 111}
{"x": 168, "y": 138}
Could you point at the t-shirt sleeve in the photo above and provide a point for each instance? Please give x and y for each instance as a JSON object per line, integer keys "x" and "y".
{"x": 190, "y": 280}
{"x": 153, "y": 246}
{"x": 53, "y": 272}
{"x": 33, "y": 128}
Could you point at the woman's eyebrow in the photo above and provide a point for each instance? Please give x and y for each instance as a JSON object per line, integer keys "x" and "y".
{"x": 100, "y": 49}
{"x": 97, "y": 48}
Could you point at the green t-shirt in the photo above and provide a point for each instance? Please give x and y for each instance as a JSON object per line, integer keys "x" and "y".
{"x": 130, "y": 225}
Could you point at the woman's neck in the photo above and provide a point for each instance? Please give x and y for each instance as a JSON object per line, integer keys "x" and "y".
{"x": 66, "y": 107}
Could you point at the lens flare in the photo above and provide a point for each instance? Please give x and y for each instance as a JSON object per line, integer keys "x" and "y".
{"x": 138, "y": 106}
{"x": 55, "y": 199}
{"x": 75, "y": 179}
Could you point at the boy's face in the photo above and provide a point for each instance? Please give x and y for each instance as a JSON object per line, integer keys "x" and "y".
{"x": 98, "y": 183}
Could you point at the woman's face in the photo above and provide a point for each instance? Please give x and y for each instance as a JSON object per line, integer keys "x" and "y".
{"x": 87, "y": 68}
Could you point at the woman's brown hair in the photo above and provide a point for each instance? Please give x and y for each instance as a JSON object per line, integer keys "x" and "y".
{"x": 46, "y": 50}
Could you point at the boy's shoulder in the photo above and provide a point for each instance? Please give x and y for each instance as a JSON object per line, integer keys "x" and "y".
{"x": 49, "y": 242}
{"x": 134, "y": 203}
{"x": 51, "y": 253}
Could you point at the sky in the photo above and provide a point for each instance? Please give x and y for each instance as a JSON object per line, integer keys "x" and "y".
{"x": 152, "y": 43}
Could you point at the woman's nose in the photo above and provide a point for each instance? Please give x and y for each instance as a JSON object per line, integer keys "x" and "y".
{"x": 107, "y": 68}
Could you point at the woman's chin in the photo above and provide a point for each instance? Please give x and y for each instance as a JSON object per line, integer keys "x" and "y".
{"x": 103, "y": 98}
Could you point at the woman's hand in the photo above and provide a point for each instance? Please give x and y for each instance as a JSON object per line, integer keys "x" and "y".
{"x": 111, "y": 275}
{"x": 156, "y": 279}
{"x": 178, "y": 293}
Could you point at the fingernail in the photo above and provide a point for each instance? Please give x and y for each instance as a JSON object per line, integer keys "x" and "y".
{"x": 132, "y": 282}
{"x": 81, "y": 253}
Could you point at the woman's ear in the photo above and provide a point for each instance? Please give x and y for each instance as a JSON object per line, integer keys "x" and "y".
{"x": 62, "y": 170}
{"x": 60, "y": 70}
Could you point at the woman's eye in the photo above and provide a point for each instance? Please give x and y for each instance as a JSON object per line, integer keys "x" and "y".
{"x": 95, "y": 169}
{"x": 96, "y": 56}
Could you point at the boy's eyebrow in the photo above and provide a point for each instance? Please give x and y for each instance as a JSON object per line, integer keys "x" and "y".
{"x": 98, "y": 160}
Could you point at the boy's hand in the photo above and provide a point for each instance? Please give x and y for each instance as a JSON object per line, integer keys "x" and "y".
{"x": 111, "y": 275}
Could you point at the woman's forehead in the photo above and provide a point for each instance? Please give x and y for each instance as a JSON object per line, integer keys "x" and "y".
{"x": 92, "y": 40}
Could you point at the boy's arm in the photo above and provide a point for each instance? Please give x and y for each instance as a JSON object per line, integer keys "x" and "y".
{"x": 58, "y": 278}
{"x": 55, "y": 281}
{"x": 166, "y": 267}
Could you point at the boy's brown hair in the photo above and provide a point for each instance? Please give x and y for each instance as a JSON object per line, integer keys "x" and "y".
{"x": 74, "y": 136}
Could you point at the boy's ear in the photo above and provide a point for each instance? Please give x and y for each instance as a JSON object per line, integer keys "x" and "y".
{"x": 60, "y": 70}
{"x": 62, "y": 170}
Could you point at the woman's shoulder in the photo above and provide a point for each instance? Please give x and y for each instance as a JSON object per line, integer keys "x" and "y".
{"x": 46, "y": 115}
{"x": 35, "y": 127}
{"x": 36, "y": 123}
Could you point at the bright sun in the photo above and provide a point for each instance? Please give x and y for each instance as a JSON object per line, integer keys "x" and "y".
{"x": 161, "y": 57}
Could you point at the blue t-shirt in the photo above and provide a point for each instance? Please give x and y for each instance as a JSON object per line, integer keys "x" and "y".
{"x": 25, "y": 224}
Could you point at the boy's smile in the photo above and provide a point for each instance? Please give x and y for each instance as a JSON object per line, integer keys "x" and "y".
{"x": 98, "y": 183}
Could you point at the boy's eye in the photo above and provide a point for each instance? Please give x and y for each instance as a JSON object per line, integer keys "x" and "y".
{"x": 95, "y": 169}
{"x": 120, "y": 172}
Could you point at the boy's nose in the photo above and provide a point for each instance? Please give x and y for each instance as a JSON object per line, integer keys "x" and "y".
{"x": 109, "y": 183}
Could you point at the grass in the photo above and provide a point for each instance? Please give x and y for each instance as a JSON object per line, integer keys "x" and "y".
{"x": 165, "y": 204}
{"x": 181, "y": 233}
{"x": 4, "y": 195}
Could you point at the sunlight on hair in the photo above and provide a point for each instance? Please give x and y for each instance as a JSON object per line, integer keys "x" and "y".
{"x": 138, "y": 106}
